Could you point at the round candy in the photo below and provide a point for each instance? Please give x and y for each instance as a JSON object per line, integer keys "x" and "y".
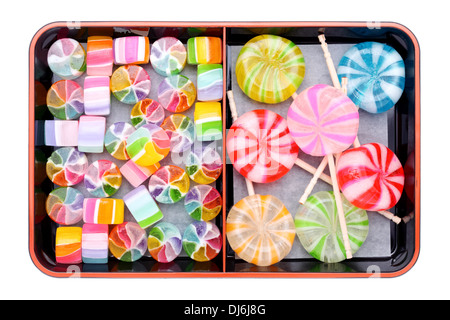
{"x": 181, "y": 132}
{"x": 116, "y": 139}
{"x": 169, "y": 184}
{"x": 176, "y": 93}
{"x": 319, "y": 231}
{"x": 130, "y": 84}
{"x": 270, "y": 68}
{"x": 65, "y": 205}
{"x": 260, "y": 229}
{"x": 371, "y": 177}
{"x": 323, "y": 120}
{"x": 204, "y": 164}
{"x": 147, "y": 111}
{"x": 260, "y": 147}
{"x": 65, "y": 100}
{"x": 67, "y": 166}
{"x": 164, "y": 242}
{"x": 103, "y": 178}
{"x": 202, "y": 241}
{"x": 148, "y": 145}
{"x": 376, "y": 75}
{"x": 67, "y": 58}
{"x": 203, "y": 202}
{"x": 128, "y": 241}
{"x": 168, "y": 56}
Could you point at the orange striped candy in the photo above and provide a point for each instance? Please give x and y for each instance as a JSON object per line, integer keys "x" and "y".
{"x": 68, "y": 245}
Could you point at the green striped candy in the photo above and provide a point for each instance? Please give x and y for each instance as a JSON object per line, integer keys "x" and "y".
{"x": 318, "y": 229}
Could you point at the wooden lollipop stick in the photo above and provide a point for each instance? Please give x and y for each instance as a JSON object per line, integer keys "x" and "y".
{"x": 339, "y": 206}
{"x": 313, "y": 181}
{"x": 234, "y": 116}
{"x": 390, "y": 216}
{"x": 307, "y": 167}
{"x": 329, "y": 61}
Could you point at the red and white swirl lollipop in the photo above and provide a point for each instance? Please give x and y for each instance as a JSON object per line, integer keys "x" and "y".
{"x": 371, "y": 177}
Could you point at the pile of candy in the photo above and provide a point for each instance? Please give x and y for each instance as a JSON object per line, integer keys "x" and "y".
{"x": 157, "y": 128}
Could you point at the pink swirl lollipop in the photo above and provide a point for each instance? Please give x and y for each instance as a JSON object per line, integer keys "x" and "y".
{"x": 371, "y": 177}
{"x": 260, "y": 147}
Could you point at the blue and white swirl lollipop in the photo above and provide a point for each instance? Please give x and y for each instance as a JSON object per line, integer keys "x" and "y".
{"x": 376, "y": 76}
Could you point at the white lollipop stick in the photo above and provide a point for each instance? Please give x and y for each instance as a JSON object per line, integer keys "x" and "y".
{"x": 313, "y": 181}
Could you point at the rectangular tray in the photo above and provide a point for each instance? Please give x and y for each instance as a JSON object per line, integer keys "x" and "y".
{"x": 399, "y": 129}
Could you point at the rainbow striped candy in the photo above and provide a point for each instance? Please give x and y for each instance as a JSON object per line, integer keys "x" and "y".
{"x": 376, "y": 75}
{"x": 168, "y": 56}
{"x": 136, "y": 174}
{"x": 270, "y": 68}
{"x": 94, "y": 243}
{"x": 116, "y": 139}
{"x": 208, "y": 120}
{"x": 131, "y": 50}
{"x": 66, "y": 166}
{"x": 67, "y": 58}
{"x": 260, "y": 147}
{"x": 260, "y": 229}
{"x": 148, "y": 145}
{"x": 202, "y": 241}
{"x": 103, "y": 178}
{"x": 142, "y": 206}
{"x": 65, "y": 100}
{"x": 203, "y": 202}
{"x": 147, "y": 111}
{"x": 209, "y": 82}
{"x": 103, "y": 210}
{"x": 91, "y": 133}
{"x": 323, "y": 120}
{"x": 177, "y": 93}
{"x": 202, "y": 50}
{"x": 169, "y": 184}
{"x": 164, "y": 242}
{"x": 68, "y": 245}
{"x": 319, "y": 231}
{"x": 97, "y": 96}
{"x": 61, "y": 133}
{"x": 128, "y": 242}
{"x": 203, "y": 164}
{"x": 181, "y": 132}
{"x": 371, "y": 177}
{"x": 65, "y": 205}
{"x": 99, "y": 57}
{"x": 130, "y": 84}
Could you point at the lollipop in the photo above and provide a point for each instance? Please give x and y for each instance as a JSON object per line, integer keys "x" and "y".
{"x": 164, "y": 242}
{"x": 376, "y": 75}
{"x": 148, "y": 145}
{"x": 147, "y": 111}
{"x": 181, "y": 132}
{"x": 202, "y": 241}
{"x": 130, "y": 84}
{"x": 65, "y": 205}
{"x": 371, "y": 177}
{"x": 259, "y": 228}
{"x": 270, "y": 68}
{"x": 203, "y": 202}
{"x": 103, "y": 178}
{"x": 65, "y": 100}
{"x": 324, "y": 121}
{"x": 67, "y": 58}
{"x": 168, "y": 56}
{"x": 204, "y": 164}
{"x": 115, "y": 139}
{"x": 260, "y": 147}
{"x": 66, "y": 166}
{"x": 169, "y": 184}
{"x": 318, "y": 227}
{"x": 176, "y": 93}
{"x": 128, "y": 241}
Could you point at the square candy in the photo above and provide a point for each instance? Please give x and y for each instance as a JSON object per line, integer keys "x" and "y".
{"x": 103, "y": 210}
{"x": 208, "y": 121}
{"x": 131, "y": 50}
{"x": 209, "y": 82}
{"x": 202, "y": 50}
{"x": 99, "y": 56}
{"x": 97, "y": 96}
{"x": 91, "y": 133}
{"x": 142, "y": 206}
{"x": 61, "y": 133}
{"x": 68, "y": 245}
{"x": 136, "y": 174}
{"x": 94, "y": 243}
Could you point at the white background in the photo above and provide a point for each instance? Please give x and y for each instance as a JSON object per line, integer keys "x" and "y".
{"x": 428, "y": 279}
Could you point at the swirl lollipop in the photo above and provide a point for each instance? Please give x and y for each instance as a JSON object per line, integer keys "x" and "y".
{"x": 259, "y": 228}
